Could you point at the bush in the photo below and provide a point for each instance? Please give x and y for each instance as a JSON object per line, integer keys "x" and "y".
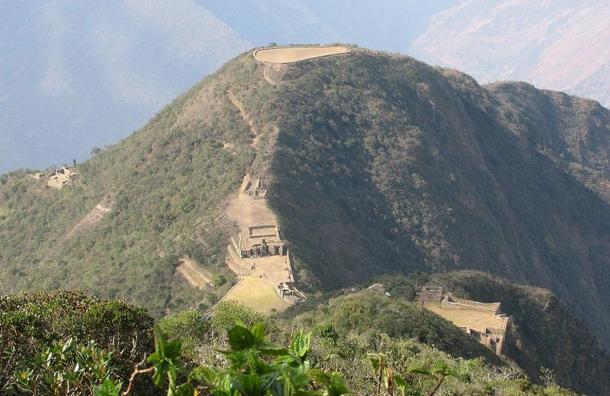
{"x": 189, "y": 327}
{"x": 36, "y": 325}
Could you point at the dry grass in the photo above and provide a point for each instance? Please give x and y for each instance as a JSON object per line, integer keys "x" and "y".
{"x": 295, "y": 54}
{"x": 476, "y": 320}
{"x": 256, "y": 294}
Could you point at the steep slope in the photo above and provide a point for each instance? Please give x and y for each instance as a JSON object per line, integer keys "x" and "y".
{"x": 166, "y": 184}
{"x": 375, "y": 164}
{"x": 543, "y": 334}
{"x": 554, "y": 44}
{"x": 570, "y": 131}
{"x": 389, "y": 164}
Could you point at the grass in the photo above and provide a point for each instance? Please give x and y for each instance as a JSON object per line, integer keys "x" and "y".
{"x": 256, "y": 294}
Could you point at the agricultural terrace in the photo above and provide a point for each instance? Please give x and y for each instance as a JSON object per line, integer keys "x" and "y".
{"x": 475, "y": 319}
{"x": 256, "y": 294}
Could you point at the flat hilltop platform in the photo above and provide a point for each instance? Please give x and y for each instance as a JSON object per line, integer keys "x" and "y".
{"x": 474, "y": 319}
{"x": 295, "y": 54}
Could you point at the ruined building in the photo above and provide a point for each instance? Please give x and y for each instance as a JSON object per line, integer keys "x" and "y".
{"x": 483, "y": 321}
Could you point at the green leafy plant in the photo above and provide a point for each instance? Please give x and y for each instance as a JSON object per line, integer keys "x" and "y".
{"x": 255, "y": 368}
{"x": 439, "y": 371}
{"x": 65, "y": 368}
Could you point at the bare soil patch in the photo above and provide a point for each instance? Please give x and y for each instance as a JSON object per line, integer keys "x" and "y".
{"x": 295, "y": 54}
{"x": 92, "y": 218}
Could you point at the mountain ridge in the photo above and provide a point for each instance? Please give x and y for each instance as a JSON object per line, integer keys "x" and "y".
{"x": 378, "y": 164}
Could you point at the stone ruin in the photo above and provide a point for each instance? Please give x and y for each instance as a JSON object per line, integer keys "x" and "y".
{"x": 493, "y": 337}
{"x": 429, "y": 293}
{"x": 263, "y": 240}
{"x": 289, "y": 293}
{"x": 61, "y": 177}
{"x": 253, "y": 188}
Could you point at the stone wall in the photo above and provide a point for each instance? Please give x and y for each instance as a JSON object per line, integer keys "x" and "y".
{"x": 450, "y": 302}
{"x": 494, "y": 337}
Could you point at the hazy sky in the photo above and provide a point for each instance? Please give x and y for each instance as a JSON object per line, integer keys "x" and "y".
{"x": 75, "y": 74}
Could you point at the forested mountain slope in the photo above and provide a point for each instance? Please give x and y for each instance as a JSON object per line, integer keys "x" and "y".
{"x": 376, "y": 164}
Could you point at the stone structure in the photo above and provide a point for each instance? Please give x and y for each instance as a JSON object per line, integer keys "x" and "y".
{"x": 483, "y": 321}
{"x": 258, "y": 250}
{"x": 62, "y": 177}
{"x": 429, "y": 293}
{"x": 263, "y": 240}
{"x": 253, "y": 188}
{"x": 450, "y": 302}
{"x": 289, "y": 293}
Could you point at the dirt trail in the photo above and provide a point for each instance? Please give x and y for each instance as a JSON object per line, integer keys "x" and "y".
{"x": 266, "y": 75}
{"x": 194, "y": 275}
{"x": 257, "y": 255}
{"x": 246, "y": 117}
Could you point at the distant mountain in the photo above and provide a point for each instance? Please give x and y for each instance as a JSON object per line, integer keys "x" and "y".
{"x": 556, "y": 44}
{"x": 373, "y": 163}
{"x": 79, "y": 74}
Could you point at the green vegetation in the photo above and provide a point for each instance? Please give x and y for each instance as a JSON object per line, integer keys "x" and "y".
{"x": 544, "y": 333}
{"x": 236, "y": 351}
{"x": 166, "y": 184}
{"x": 381, "y": 165}
{"x": 44, "y": 335}
{"x": 385, "y": 164}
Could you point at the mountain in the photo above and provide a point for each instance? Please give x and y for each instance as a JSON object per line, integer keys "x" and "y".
{"x": 82, "y": 74}
{"x": 556, "y": 44}
{"x": 372, "y": 163}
